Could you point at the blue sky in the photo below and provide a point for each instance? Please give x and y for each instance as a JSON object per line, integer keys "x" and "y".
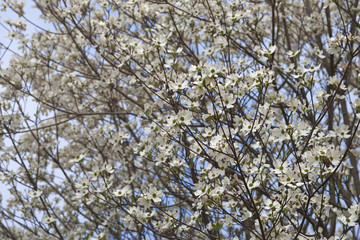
{"x": 33, "y": 15}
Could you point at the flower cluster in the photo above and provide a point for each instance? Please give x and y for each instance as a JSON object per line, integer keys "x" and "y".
{"x": 182, "y": 120}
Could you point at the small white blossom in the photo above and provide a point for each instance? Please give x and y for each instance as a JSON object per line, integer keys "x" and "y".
{"x": 49, "y": 220}
{"x": 35, "y": 194}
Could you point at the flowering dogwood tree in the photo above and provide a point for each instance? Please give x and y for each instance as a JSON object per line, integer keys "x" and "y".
{"x": 184, "y": 119}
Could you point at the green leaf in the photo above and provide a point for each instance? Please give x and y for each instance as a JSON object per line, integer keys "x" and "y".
{"x": 217, "y": 226}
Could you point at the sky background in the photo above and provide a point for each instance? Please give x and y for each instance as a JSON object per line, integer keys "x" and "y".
{"x": 33, "y": 15}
